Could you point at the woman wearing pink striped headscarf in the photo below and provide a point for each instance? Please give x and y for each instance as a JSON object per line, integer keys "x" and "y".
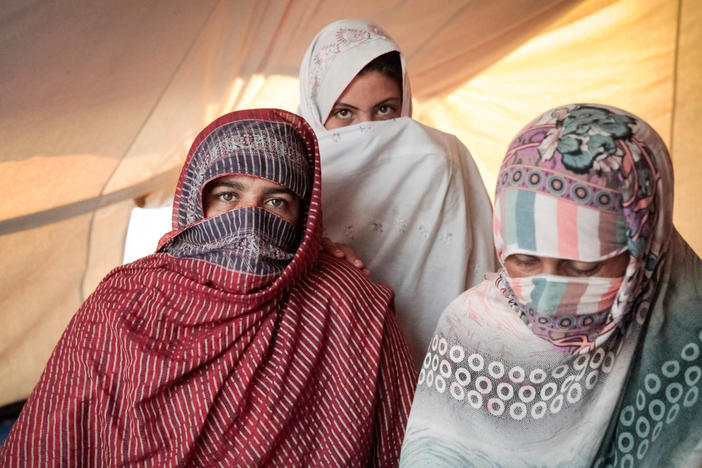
{"x": 238, "y": 343}
{"x": 585, "y": 348}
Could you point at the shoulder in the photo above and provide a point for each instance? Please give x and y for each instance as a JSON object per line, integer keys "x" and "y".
{"x": 445, "y": 146}
{"x": 475, "y": 298}
{"x": 338, "y": 280}
{"x": 447, "y": 140}
{"x": 686, "y": 276}
{"x": 138, "y": 268}
{"x": 141, "y": 283}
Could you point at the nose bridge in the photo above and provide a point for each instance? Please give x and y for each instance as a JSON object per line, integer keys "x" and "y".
{"x": 549, "y": 266}
{"x": 367, "y": 115}
{"x": 250, "y": 199}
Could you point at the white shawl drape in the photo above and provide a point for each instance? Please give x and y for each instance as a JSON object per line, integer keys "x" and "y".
{"x": 411, "y": 203}
{"x": 406, "y": 197}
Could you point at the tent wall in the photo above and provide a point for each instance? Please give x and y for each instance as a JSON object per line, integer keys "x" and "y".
{"x": 686, "y": 136}
{"x": 100, "y": 101}
{"x": 642, "y": 56}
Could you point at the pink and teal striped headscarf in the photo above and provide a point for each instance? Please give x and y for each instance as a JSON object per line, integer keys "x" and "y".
{"x": 580, "y": 183}
{"x": 621, "y": 388}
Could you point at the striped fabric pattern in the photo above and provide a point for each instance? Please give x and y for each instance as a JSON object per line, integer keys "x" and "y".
{"x": 274, "y": 151}
{"x": 541, "y": 292}
{"x": 248, "y": 240}
{"x": 579, "y": 232}
{"x": 160, "y": 369}
{"x": 190, "y": 361}
{"x": 618, "y": 389}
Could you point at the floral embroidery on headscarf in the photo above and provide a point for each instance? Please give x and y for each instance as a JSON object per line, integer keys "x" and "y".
{"x": 592, "y": 149}
{"x": 585, "y": 137}
{"x": 335, "y": 56}
{"x": 346, "y": 38}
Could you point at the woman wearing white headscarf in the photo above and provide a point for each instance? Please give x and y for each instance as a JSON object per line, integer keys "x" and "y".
{"x": 406, "y": 197}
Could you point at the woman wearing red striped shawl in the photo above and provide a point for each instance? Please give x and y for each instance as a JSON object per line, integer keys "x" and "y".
{"x": 586, "y": 348}
{"x": 238, "y": 343}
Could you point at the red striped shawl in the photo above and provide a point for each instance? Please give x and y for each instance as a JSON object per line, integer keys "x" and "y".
{"x": 170, "y": 363}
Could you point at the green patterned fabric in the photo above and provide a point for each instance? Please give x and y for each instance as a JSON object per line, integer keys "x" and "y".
{"x": 659, "y": 420}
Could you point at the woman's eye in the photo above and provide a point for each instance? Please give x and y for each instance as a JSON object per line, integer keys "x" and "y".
{"x": 276, "y": 202}
{"x": 342, "y": 113}
{"x": 525, "y": 260}
{"x": 385, "y": 109}
{"x": 582, "y": 268}
{"x": 226, "y": 196}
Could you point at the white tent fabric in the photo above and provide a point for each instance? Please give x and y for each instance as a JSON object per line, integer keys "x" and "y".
{"x": 100, "y": 100}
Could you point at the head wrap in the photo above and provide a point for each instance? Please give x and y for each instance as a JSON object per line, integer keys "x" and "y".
{"x": 508, "y": 382}
{"x": 269, "y": 144}
{"x": 334, "y": 58}
{"x": 581, "y": 183}
{"x": 278, "y": 151}
{"x": 407, "y": 198}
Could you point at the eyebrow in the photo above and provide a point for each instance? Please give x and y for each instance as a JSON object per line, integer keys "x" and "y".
{"x": 275, "y": 190}
{"x": 238, "y": 186}
{"x": 384, "y": 101}
{"x": 343, "y": 104}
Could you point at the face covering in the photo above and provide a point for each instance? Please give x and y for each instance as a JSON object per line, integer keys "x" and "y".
{"x": 562, "y": 308}
{"x": 249, "y": 240}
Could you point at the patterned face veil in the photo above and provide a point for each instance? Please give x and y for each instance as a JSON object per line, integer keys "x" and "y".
{"x": 581, "y": 183}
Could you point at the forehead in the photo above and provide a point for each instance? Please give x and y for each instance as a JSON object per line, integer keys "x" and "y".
{"x": 371, "y": 85}
{"x": 247, "y": 182}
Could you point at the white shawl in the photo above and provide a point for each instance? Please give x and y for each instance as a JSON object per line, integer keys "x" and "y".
{"x": 406, "y": 197}
{"x": 410, "y": 201}
{"x": 334, "y": 58}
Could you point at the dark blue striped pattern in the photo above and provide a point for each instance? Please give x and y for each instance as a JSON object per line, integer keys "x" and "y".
{"x": 249, "y": 240}
{"x": 270, "y": 150}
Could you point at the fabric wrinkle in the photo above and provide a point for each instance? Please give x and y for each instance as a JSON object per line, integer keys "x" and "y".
{"x": 232, "y": 344}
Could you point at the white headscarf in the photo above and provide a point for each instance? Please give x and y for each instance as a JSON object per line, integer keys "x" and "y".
{"x": 334, "y": 58}
{"x": 407, "y": 198}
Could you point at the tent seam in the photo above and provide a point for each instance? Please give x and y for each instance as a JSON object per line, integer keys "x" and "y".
{"x": 81, "y": 290}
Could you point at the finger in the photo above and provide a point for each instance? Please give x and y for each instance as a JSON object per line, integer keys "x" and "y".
{"x": 351, "y": 256}
{"x": 332, "y": 247}
{"x": 344, "y": 251}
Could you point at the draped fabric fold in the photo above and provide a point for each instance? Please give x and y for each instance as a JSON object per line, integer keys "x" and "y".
{"x": 406, "y": 197}
{"x": 410, "y": 201}
{"x": 512, "y": 377}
